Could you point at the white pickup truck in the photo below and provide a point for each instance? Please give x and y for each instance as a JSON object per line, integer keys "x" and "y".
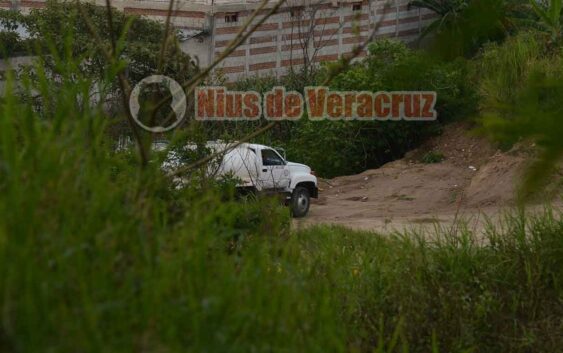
{"x": 262, "y": 169}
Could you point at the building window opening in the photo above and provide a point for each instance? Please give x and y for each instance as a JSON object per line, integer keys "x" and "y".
{"x": 231, "y": 17}
{"x": 296, "y": 11}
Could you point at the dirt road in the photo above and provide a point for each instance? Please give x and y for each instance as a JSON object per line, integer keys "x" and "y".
{"x": 472, "y": 183}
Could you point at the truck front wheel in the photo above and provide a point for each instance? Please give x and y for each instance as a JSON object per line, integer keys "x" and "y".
{"x": 300, "y": 201}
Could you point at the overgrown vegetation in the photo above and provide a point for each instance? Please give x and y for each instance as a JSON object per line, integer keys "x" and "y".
{"x": 96, "y": 254}
{"x": 432, "y": 157}
{"x": 463, "y": 26}
{"x": 357, "y": 145}
{"x": 521, "y": 94}
{"x": 99, "y": 253}
{"x": 62, "y": 28}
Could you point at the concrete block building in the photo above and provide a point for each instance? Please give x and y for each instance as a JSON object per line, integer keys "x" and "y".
{"x": 301, "y": 33}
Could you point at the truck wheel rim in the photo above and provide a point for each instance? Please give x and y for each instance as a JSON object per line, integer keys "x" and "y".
{"x": 302, "y": 202}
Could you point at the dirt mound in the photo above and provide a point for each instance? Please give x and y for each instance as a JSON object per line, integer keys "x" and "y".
{"x": 496, "y": 181}
{"x": 458, "y": 144}
{"x": 463, "y": 174}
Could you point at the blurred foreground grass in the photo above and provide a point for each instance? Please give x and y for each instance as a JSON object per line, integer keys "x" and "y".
{"x": 99, "y": 255}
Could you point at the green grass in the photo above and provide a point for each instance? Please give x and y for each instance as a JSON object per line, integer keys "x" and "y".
{"x": 432, "y": 157}
{"x": 100, "y": 255}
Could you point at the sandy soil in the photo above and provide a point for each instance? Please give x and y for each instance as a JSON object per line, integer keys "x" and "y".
{"x": 474, "y": 182}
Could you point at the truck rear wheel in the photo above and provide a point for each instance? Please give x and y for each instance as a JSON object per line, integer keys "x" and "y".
{"x": 300, "y": 201}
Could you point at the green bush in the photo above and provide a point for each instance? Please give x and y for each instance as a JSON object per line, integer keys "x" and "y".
{"x": 432, "y": 157}
{"x": 353, "y": 146}
{"x": 10, "y": 44}
{"x": 521, "y": 93}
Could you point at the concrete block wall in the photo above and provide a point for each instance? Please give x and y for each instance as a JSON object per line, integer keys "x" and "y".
{"x": 186, "y": 14}
{"x": 332, "y": 29}
{"x": 22, "y": 5}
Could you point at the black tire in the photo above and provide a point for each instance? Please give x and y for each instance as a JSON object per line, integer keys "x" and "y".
{"x": 300, "y": 202}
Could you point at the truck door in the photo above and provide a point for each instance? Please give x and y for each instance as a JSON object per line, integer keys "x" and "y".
{"x": 274, "y": 173}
